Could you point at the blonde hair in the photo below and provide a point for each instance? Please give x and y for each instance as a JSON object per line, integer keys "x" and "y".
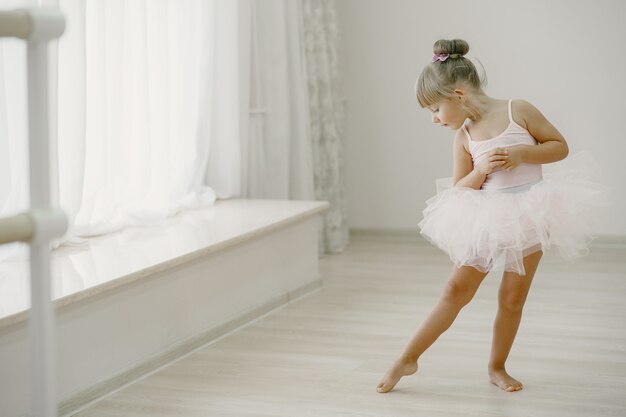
{"x": 438, "y": 79}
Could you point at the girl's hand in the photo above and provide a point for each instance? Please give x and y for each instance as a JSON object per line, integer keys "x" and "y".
{"x": 514, "y": 157}
{"x": 495, "y": 159}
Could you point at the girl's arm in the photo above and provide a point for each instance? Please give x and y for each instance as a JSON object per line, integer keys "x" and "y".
{"x": 552, "y": 146}
{"x": 463, "y": 172}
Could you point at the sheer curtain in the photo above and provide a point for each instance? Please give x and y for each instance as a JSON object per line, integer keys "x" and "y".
{"x": 137, "y": 92}
{"x": 134, "y": 97}
{"x": 166, "y": 104}
{"x": 327, "y": 113}
{"x": 276, "y": 150}
{"x": 293, "y": 147}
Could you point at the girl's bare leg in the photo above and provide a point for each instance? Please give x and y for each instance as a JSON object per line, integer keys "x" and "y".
{"x": 511, "y": 298}
{"x": 459, "y": 291}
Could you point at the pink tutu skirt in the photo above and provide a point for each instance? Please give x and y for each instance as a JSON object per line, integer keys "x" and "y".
{"x": 493, "y": 229}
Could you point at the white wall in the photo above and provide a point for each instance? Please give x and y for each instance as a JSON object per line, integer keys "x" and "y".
{"x": 567, "y": 58}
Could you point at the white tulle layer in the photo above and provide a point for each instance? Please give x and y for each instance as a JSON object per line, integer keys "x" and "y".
{"x": 493, "y": 229}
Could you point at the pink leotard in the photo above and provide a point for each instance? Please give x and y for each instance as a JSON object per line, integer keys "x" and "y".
{"x": 513, "y": 135}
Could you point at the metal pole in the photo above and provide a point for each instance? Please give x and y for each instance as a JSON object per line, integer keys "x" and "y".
{"x": 47, "y": 24}
{"x": 41, "y": 313}
{"x": 43, "y": 222}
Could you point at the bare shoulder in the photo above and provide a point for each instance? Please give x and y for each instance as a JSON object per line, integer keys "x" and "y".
{"x": 531, "y": 119}
{"x": 460, "y": 140}
{"x": 525, "y": 113}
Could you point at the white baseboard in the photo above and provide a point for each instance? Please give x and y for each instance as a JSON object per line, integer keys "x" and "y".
{"x": 601, "y": 241}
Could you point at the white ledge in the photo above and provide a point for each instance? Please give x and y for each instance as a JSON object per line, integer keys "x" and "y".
{"x": 110, "y": 261}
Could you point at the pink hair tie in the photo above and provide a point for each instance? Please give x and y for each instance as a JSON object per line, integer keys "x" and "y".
{"x": 443, "y": 57}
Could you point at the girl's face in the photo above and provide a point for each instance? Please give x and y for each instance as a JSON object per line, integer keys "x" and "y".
{"x": 448, "y": 114}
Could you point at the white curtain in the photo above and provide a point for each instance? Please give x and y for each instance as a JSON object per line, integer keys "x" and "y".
{"x": 277, "y": 158}
{"x": 229, "y": 97}
{"x": 134, "y": 97}
{"x": 167, "y": 104}
{"x": 327, "y": 113}
{"x": 143, "y": 91}
{"x": 294, "y": 146}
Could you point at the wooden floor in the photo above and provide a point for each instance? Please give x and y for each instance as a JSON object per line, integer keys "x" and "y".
{"x": 324, "y": 354}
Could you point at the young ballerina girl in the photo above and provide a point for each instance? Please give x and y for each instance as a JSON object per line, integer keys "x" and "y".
{"x": 501, "y": 210}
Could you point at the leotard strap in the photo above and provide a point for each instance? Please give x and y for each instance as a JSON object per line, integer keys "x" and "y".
{"x": 467, "y": 132}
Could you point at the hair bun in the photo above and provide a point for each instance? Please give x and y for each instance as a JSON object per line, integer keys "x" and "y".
{"x": 454, "y": 46}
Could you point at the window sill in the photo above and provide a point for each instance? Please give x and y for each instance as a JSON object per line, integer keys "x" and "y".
{"x": 114, "y": 260}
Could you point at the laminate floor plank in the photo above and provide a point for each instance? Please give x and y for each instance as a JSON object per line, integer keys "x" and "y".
{"x": 324, "y": 354}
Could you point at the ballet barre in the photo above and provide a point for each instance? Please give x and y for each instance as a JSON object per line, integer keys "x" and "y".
{"x": 43, "y": 222}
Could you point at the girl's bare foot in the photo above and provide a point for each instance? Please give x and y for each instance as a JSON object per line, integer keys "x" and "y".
{"x": 398, "y": 370}
{"x": 500, "y": 378}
